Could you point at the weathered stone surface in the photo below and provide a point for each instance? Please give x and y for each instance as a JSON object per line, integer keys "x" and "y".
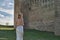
{"x": 57, "y": 20}
{"x": 40, "y": 16}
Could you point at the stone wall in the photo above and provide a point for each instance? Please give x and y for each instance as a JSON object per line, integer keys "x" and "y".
{"x": 39, "y": 16}
{"x": 57, "y": 21}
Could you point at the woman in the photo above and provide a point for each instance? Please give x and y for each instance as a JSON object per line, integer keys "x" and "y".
{"x": 19, "y": 27}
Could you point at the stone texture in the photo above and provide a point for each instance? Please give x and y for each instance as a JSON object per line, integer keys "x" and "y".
{"x": 39, "y": 16}
{"x": 57, "y": 21}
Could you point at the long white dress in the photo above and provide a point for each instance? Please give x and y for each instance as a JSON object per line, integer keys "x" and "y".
{"x": 19, "y": 32}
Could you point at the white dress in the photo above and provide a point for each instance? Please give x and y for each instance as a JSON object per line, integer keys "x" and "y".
{"x": 19, "y": 33}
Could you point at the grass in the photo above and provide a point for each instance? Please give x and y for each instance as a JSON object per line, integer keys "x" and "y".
{"x": 6, "y": 28}
{"x": 39, "y": 35}
{"x": 28, "y": 35}
{"x": 7, "y": 35}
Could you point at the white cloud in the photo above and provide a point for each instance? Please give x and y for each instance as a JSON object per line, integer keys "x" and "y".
{"x": 10, "y": 11}
{"x": 11, "y": 4}
{"x": 7, "y": 19}
{"x": 10, "y": 20}
{"x": 4, "y": 21}
{"x": 1, "y": 15}
{"x": 7, "y": 11}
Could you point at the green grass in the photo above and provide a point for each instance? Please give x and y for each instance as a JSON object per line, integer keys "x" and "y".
{"x": 7, "y": 35}
{"x": 6, "y": 28}
{"x": 39, "y": 35}
{"x": 28, "y": 35}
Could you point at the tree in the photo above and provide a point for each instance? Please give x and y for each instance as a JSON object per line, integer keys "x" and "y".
{"x": 7, "y": 23}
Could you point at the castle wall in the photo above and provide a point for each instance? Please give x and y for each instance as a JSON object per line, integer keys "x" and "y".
{"x": 57, "y": 21}
{"x": 41, "y": 15}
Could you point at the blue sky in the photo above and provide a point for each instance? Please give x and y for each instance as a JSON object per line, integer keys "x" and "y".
{"x": 7, "y": 12}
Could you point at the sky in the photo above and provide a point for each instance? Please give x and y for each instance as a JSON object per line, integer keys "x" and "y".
{"x": 7, "y": 12}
